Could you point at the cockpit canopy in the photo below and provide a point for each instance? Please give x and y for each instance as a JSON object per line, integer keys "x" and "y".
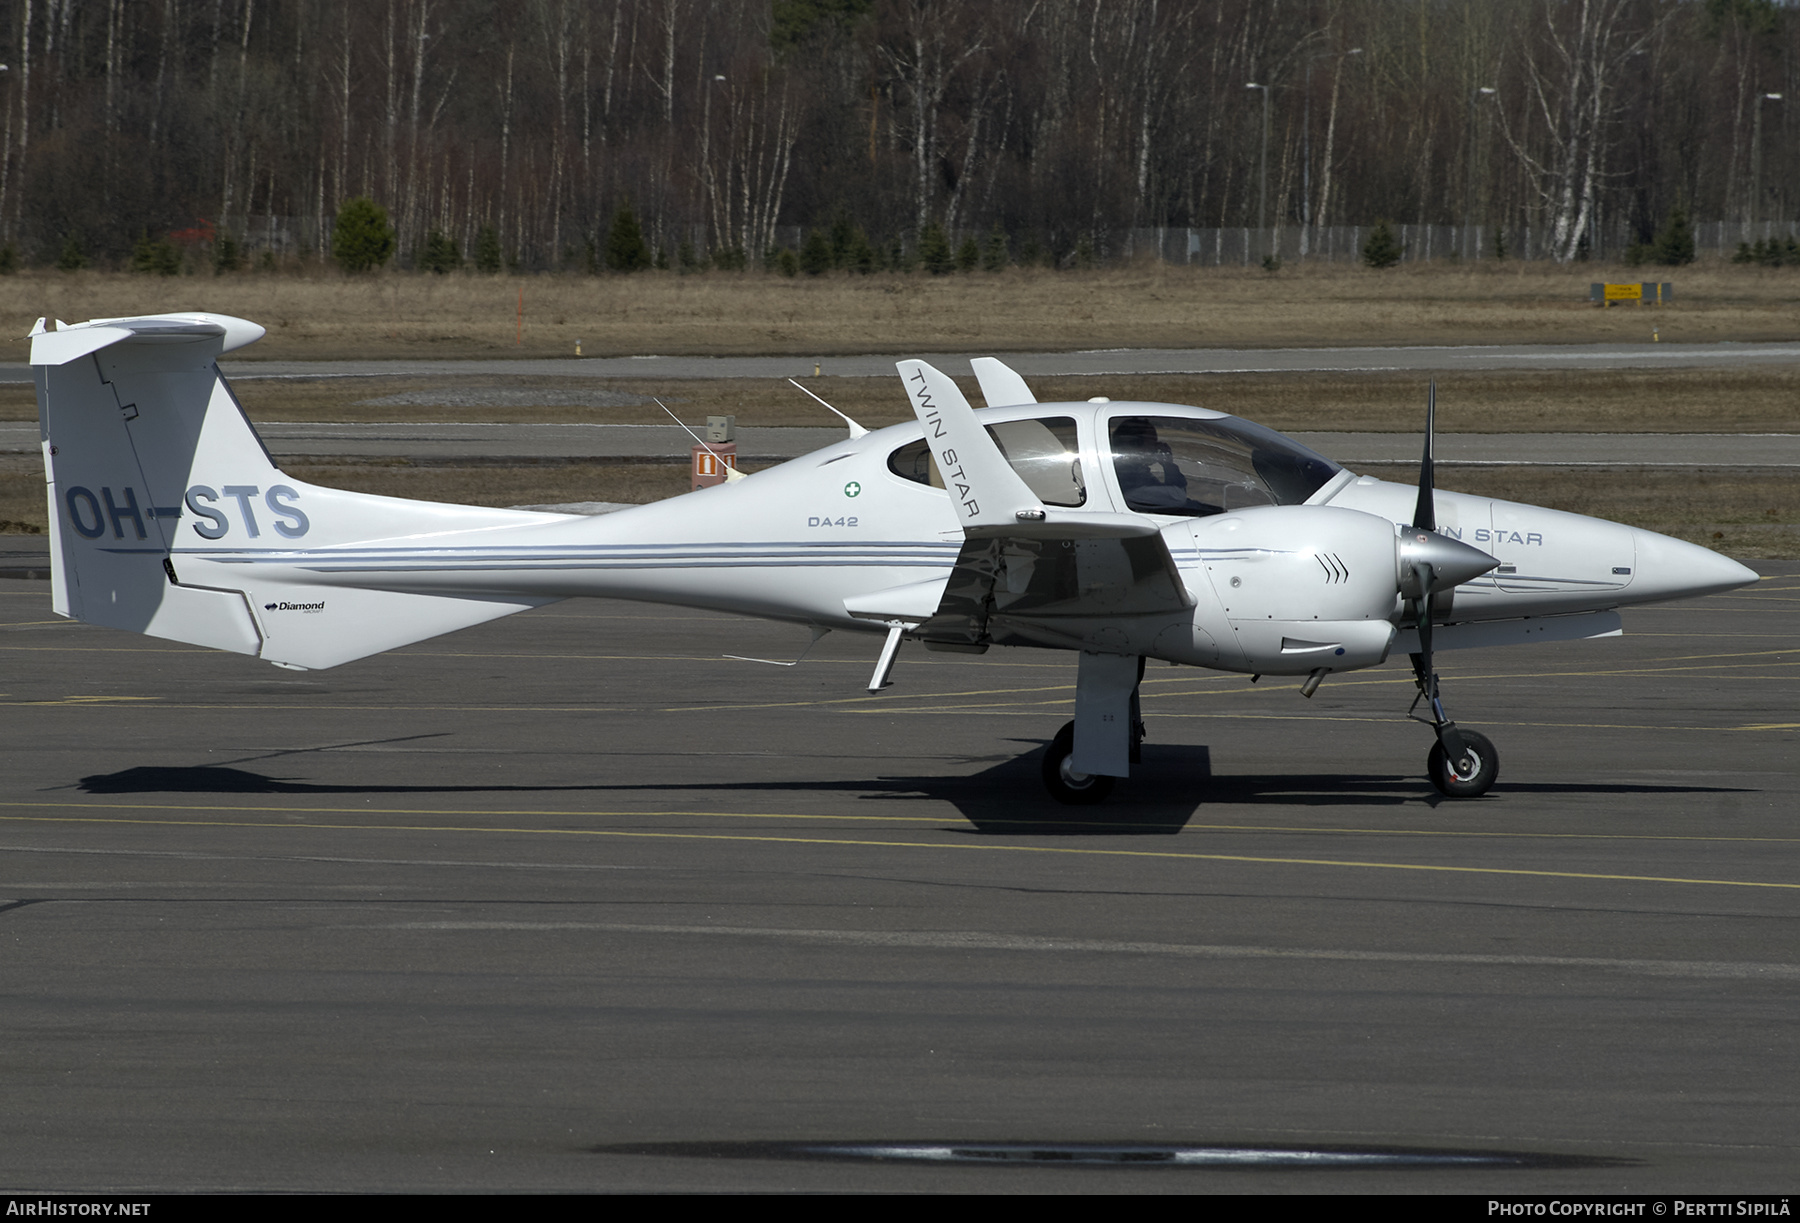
{"x": 1194, "y": 467}
{"x": 1189, "y": 465}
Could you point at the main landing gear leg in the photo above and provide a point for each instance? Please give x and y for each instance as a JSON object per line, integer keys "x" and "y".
{"x": 1102, "y": 741}
{"x": 1462, "y": 763}
{"x": 1137, "y": 717}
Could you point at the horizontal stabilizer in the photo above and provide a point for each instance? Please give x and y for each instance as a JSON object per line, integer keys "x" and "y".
{"x": 208, "y": 334}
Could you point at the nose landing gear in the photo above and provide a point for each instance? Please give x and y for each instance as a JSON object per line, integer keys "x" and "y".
{"x": 1462, "y": 763}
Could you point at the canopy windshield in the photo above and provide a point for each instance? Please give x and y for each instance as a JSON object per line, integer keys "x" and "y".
{"x": 1180, "y": 465}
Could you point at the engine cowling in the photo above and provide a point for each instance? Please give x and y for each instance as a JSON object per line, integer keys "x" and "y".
{"x": 1299, "y": 588}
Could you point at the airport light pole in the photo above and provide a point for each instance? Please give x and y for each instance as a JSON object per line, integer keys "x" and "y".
{"x": 1262, "y": 189}
{"x": 1469, "y": 248}
{"x": 1756, "y": 159}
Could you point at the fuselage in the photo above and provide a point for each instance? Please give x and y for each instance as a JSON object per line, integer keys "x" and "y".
{"x": 810, "y": 540}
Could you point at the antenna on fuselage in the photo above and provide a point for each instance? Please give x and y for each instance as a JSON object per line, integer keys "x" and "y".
{"x": 730, "y": 470}
{"x": 856, "y": 430}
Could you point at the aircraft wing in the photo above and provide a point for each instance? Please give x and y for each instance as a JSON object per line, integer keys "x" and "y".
{"x": 1028, "y": 574}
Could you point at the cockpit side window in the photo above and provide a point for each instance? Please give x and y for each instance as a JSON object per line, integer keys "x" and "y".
{"x": 1046, "y": 455}
{"x": 1043, "y": 451}
{"x": 1181, "y": 465}
{"x": 913, "y": 462}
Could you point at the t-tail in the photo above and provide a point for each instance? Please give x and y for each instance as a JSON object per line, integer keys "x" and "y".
{"x": 168, "y": 516}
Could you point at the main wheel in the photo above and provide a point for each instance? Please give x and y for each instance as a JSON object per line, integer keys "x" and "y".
{"x": 1066, "y": 785}
{"x": 1472, "y": 775}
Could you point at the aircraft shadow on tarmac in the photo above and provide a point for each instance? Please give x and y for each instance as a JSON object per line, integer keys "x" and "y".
{"x": 1173, "y": 783}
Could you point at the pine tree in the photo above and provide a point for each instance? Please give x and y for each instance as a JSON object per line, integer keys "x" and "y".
{"x": 1675, "y": 244}
{"x": 859, "y": 256}
{"x": 487, "y": 250}
{"x": 816, "y": 256}
{"x": 968, "y": 255}
{"x": 362, "y": 239}
{"x": 845, "y": 234}
{"x": 626, "y": 250}
{"x": 228, "y": 255}
{"x": 1382, "y": 250}
{"x": 935, "y": 252}
{"x": 72, "y": 259}
{"x": 993, "y": 254}
{"x": 440, "y": 254}
{"x": 158, "y": 258}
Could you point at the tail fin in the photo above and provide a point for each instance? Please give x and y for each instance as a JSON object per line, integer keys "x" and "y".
{"x": 156, "y": 477}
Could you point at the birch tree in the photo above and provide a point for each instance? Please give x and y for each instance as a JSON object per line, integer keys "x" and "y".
{"x": 1573, "y": 55}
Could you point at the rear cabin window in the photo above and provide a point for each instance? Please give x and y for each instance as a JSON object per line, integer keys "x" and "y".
{"x": 1179, "y": 465}
{"x": 1044, "y": 453}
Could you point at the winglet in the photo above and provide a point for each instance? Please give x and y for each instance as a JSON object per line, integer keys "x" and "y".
{"x": 988, "y": 493}
{"x": 1001, "y": 385}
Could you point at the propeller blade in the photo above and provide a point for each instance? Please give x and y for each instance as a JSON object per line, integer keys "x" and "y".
{"x": 1422, "y": 577}
{"x": 1425, "y": 512}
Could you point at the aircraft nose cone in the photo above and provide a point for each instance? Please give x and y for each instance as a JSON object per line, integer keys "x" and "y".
{"x": 1453, "y": 561}
{"x": 1672, "y": 569}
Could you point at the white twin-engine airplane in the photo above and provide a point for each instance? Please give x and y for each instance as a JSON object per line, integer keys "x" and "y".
{"x": 1121, "y": 531}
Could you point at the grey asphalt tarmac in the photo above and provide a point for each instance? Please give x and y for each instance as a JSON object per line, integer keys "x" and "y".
{"x": 1436, "y": 358}
{"x": 1100, "y": 361}
{"x": 571, "y": 902}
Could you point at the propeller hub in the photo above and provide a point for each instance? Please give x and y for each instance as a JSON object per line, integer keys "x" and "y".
{"x": 1449, "y": 562}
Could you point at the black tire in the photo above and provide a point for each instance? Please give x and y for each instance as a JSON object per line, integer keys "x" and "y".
{"x": 1076, "y": 790}
{"x": 1481, "y": 767}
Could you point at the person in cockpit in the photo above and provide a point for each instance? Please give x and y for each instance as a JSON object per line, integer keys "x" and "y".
{"x": 1148, "y": 475}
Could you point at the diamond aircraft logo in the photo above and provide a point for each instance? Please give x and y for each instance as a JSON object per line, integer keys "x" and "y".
{"x": 852, "y": 489}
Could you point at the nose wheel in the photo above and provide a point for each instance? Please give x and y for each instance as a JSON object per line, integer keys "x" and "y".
{"x": 1471, "y": 774}
{"x": 1462, "y": 763}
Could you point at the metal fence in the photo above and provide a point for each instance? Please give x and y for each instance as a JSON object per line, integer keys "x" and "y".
{"x": 1247, "y": 247}
{"x": 1233, "y": 247}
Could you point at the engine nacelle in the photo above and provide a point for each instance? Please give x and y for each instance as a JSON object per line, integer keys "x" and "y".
{"x": 1299, "y": 588}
